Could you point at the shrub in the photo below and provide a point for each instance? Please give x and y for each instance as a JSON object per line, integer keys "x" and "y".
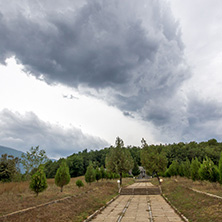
{"x": 79, "y": 183}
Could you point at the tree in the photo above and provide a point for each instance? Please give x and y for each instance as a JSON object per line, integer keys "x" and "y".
{"x": 185, "y": 168}
{"x": 208, "y": 171}
{"x": 9, "y": 169}
{"x": 33, "y": 159}
{"x": 135, "y": 170}
{"x": 62, "y": 176}
{"x": 38, "y": 181}
{"x": 79, "y": 183}
{"x": 119, "y": 159}
{"x": 103, "y": 172}
{"x": 98, "y": 174}
{"x": 173, "y": 169}
{"x": 153, "y": 161}
{"x": 194, "y": 169}
{"x": 220, "y": 168}
{"x": 90, "y": 174}
{"x": 75, "y": 164}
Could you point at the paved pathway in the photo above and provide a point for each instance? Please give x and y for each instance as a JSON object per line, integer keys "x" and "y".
{"x": 138, "y": 208}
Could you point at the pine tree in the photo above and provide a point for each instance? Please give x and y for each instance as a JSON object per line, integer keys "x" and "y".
{"x": 98, "y": 174}
{"x": 38, "y": 181}
{"x": 62, "y": 176}
{"x": 103, "y": 172}
{"x": 90, "y": 174}
{"x": 173, "y": 169}
{"x": 208, "y": 171}
{"x": 119, "y": 159}
{"x": 220, "y": 168}
{"x": 194, "y": 168}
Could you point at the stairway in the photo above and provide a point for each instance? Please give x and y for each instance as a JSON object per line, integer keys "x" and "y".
{"x": 140, "y": 191}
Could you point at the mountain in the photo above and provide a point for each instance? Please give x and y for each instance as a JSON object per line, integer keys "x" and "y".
{"x": 10, "y": 151}
{"x": 13, "y": 152}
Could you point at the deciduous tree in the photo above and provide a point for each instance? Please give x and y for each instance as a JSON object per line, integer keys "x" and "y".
{"x": 153, "y": 161}
{"x": 33, "y": 159}
{"x": 119, "y": 159}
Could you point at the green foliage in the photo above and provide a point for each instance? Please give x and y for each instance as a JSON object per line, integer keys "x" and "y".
{"x": 98, "y": 174}
{"x": 33, "y": 159}
{"x": 62, "y": 176}
{"x": 75, "y": 163}
{"x": 153, "y": 160}
{"x": 90, "y": 174}
{"x": 38, "y": 181}
{"x": 103, "y": 172}
{"x": 135, "y": 170}
{"x": 194, "y": 169}
{"x": 173, "y": 169}
{"x": 109, "y": 175}
{"x": 184, "y": 168}
{"x": 208, "y": 171}
{"x": 8, "y": 168}
{"x": 119, "y": 159}
{"x": 79, "y": 183}
{"x": 220, "y": 168}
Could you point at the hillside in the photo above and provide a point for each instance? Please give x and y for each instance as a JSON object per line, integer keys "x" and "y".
{"x": 10, "y": 151}
{"x": 15, "y": 153}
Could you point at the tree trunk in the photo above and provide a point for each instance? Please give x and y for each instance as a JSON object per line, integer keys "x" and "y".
{"x": 61, "y": 188}
{"x": 120, "y": 178}
{"x": 158, "y": 178}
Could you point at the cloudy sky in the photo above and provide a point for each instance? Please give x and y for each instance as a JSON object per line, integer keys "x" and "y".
{"x": 77, "y": 74}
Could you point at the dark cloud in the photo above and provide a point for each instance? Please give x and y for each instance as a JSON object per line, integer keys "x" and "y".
{"x": 24, "y": 131}
{"x": 204, "y": 119}
{"x": 126, "y": 52}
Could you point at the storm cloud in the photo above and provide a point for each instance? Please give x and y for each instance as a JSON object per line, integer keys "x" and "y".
{"x": 25, "y": 131}
{"x": 126, "y": 52}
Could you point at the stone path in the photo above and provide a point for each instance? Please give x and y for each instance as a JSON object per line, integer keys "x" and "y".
{"x": 138, "y": 208}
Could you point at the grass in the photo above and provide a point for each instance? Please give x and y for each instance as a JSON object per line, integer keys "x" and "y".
{"x": 195, "y": 206}
{"x": 17, "y": 196}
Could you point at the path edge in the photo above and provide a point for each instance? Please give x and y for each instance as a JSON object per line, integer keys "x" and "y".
{"x": 89, "y": 218}
{"x": 175, "y": 209}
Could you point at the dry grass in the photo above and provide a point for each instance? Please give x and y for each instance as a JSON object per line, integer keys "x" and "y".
{"x": 195, "y": 206}
{"x": 17, "y": 196}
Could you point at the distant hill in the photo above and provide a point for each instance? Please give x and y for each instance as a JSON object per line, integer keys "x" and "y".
{"x": 10, "y": 151}
{"x": 15, "y": 153}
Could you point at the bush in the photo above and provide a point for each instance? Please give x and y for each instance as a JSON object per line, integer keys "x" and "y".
{"x": 38, "y": 181}
{"x": 79, "y": 183}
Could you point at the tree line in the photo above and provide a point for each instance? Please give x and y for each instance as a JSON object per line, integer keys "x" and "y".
{"x": 156, "y": 159}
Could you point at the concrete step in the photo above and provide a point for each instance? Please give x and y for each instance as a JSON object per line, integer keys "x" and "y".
{"x": 140, "y": 191}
